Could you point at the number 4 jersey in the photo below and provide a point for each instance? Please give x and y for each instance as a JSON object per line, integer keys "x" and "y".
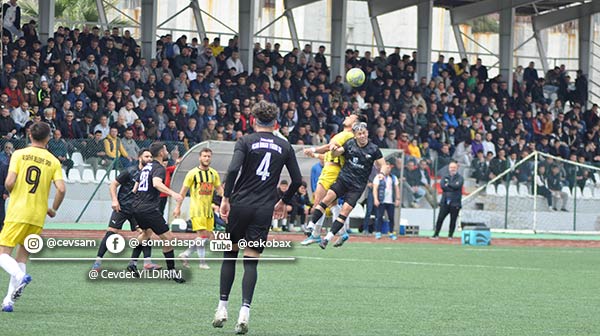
{"x": 36, "y": 168}
{"x": 255, "y": 170}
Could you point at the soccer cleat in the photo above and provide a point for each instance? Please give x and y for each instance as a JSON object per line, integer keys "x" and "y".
{"x": 184, "y": 260}
{"x": 152, "y": 267}
{"x": 175, "y": 277}
{"x": 220, "y": 318}
{"x": 204, "y": 266}
{"x": 241, "y": 327}
{"x": 19, "y": 290}
{"x": 341, "y": 240}
{"x": 133, "y": 269}
{"x": 96, "y": 266}
{"x": 7, "y": 308}
{"x": 310, "y": 240}
{"x": 323, "y": 243}
{"x": 393, "y": 236}
{"x": 308, "y": 230}
{"x": 377, "y": 235}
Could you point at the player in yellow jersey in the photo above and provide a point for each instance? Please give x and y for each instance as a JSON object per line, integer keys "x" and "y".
{"x": 328, "y": 176}
{"x": 30, "y": 173}
{"x": 201, "y": 182}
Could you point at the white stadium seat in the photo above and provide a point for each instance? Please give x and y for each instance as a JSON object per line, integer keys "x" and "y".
{"x": 112, "y": 175}
{"x": 65, "y": 177}
{"x": 74, "y": 176}
{"x": 512, "y": 190}
{"x": 88, "y": 176}
{"x": 567, "y": 190}
{"x": 501, "y": 190}
{"x": 78, "y": 160}
{"x": 523, "y": 190}
{"x": 490, "y": 190}
{"x": 100, "y": 175}
{"x": 357, "y": 212}
{"x": 578, "y": 192}
{"x": 587, "y": 193}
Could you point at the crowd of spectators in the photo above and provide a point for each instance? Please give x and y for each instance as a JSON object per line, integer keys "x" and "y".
{"x": 102, "y": 98}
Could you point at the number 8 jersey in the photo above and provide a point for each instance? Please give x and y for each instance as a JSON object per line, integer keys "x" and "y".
{"x": 36, "y": 168}
{"x": 257, "y": 162}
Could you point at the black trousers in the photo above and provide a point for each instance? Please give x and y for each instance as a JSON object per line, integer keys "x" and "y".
{"x": 444, "y": 211}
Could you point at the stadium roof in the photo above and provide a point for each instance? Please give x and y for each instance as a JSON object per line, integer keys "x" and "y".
{"x": 524, "y": 10}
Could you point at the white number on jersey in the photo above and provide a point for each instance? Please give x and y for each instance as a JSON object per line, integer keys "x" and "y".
{"x": 263, "y": 167}
{"x": 143, "y": 180}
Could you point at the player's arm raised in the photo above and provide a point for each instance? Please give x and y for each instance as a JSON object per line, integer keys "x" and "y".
{"x": 239, "y": 154}
{"x": 338, "y": 152}
{"x": 314, "y": 151}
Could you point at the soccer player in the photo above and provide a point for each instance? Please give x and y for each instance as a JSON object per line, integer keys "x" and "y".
{"x": 201, "y": 182}
{"x": 123, "y": 211}
{"x": 30, "y": 173}
{"x": 146, "y": 211}
{"x": 328, "y": 176}
{"x": 360, "y": 155}
{"x": 258, "y": 158}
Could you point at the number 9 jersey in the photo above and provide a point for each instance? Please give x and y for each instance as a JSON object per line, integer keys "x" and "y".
{"x": 36, "y": 168}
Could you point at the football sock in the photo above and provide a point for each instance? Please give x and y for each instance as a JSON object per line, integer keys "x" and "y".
{"x": 102, "y": 249}
{"x": 11, "y": 266}
{"x": 227, "y": 275}
{"x": 223, "y": 304}
{"x": 329, "y": 236}
{"x": 201, "y": 251}
{"x": 317, "y": 214}
{"x": 12, "y": 284}
{"x": 318, "y": 226}
{"x": 245, "y": 310}
{"x": 147, "y": 251}
{"x": 135, "y": 254}
{"x": 188, "y": 252}
{"x": 249, "y": 280}
{"x": 338, "y": 223}
{"x": 170, "y": 262}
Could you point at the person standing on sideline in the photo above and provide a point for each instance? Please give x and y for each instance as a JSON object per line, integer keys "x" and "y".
{"x": 386, "y": 197}
{"x": 451, "y": 202}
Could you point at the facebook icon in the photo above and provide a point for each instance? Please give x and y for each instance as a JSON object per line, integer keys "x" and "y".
{"x": 116, "y": 244}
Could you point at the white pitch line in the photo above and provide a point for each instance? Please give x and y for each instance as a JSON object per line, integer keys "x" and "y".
{"x": 153, "y": 258}
{"x": 418, "y": 263}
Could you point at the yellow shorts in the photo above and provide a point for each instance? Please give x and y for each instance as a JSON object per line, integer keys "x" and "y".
{"x": 329, "y": 175}
{"x": 203, "y": 223}
{"x": 14, "y": 234}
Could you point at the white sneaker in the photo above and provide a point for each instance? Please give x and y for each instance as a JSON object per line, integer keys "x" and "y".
{"x": 241, "y": 327}
{"x": 184, "y": 260}
{"x": 220, "y": 318}
{"x": 204, "y": 266}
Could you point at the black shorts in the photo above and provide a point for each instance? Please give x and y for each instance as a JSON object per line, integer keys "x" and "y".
{"x": 117, "y": 219}
{"x": 250, "y": 224}
{"x": 151, "y": 219}
{"x": 350, "y": 193}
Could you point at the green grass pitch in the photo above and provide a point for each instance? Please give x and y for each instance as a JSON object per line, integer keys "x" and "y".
{"x": 361, "y": 289}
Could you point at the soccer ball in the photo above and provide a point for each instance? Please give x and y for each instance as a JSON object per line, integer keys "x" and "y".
{"x": 355, "y": 77}
{"x": 181, "y": 223}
